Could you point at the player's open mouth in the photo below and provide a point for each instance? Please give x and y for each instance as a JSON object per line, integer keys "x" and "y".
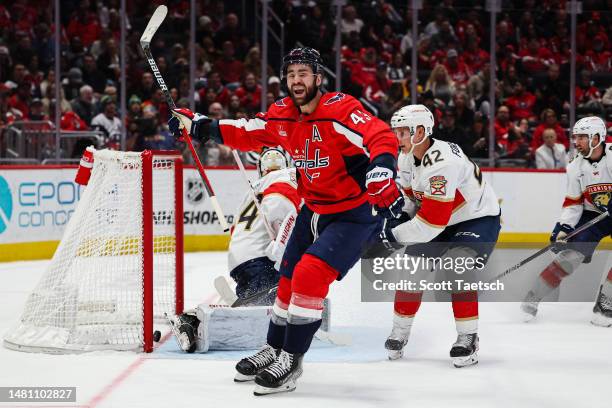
{"x": 299, "y": 91}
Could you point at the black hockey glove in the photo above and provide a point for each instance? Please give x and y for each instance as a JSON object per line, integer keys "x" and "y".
{"x": 386, "y": 236}
{"x": 200, "y": 127}
{"x": 557, "y": 237}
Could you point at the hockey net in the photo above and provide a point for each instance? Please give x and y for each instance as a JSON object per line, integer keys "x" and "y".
{"x": 119, "y": 264}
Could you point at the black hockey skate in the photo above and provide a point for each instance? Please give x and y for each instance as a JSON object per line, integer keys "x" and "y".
{"x": 602, "y": 311}
{"x": 465, "y": 350}
{"x": 281, "y": 376}
{"x": 185, "y": 329}
{"x": 398, "y": 338}
{"x": 249, "y": 367}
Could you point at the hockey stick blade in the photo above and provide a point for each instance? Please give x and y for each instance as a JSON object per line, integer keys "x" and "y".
{"x": 156, "y": 20}
{"x": 145, "y": 41}
{"x": 224, "y": 290}
{"x": 254, "y": 297}
{"x": 338, "y": 339}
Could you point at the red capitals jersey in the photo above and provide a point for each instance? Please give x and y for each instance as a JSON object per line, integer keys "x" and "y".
{"x": 331, "y": 147}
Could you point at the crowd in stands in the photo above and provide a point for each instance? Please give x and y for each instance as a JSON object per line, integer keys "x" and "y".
{"x": 532, "y": 92}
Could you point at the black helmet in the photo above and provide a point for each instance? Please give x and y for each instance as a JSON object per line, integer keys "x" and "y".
{"x": 302, "y": 55}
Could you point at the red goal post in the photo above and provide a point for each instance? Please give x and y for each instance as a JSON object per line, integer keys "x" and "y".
{"x": 119, "y": 265}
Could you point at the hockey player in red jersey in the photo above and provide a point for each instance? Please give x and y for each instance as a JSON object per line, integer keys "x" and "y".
{"x": 589, "y": 193}
{"x": 346, "y": 160}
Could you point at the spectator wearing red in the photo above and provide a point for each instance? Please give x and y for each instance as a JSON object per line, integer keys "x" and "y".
{"x": 228, "y": 66}
{"x": 250, "y": 93}
{"x": 522, "y": 103}
{"x": 364, "y": 71}
{"x": 503, "y": 125}
{"x": 71, "y": 121}
{"x": 548, "y": 121}
{"x": 24, "y": 17}
{"x": 21, "y": 99}
{"x": 535, "y": 58}
{"x": 5, "y": 17}
{"x": 377, "y": 90}
{"x": 84, "y": 24}
{"x": 598, "y": 58}
{"x": 457, "y": 69}
{"x": 8, "y": 115}
{"x": 474, "y": 56}
{"x": 222, "y": 94}
{"x": 586, "y": 32}
{"x": 585, "y": 90}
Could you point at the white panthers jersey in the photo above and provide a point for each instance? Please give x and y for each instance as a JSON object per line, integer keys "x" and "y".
{"x": 279, "y": 201}
{"x": 588, "y": 183}
{"x": 444, "y": 188}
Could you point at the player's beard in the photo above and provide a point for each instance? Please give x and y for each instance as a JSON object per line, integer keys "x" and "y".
{"x": 309, "y": 96}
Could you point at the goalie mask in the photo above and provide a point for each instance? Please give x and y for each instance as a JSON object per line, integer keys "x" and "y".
{"x": 411, "y": 117}
{"x": 271, "y": 160}
{"x": 590, "y": 126}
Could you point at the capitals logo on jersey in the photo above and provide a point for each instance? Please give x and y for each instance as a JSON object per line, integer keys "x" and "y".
{"x": 307, "y": 163}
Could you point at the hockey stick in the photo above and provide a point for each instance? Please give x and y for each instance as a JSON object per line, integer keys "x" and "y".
{"x": 145, "y": 43}
{"x": 253, "y": 195}
{"x": 577, "y": 231}
{"x": 224, "y": 290}
{"x": 254, "y": 297}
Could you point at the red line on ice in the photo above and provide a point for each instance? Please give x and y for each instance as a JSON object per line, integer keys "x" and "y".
{"x": 109, "y": 388}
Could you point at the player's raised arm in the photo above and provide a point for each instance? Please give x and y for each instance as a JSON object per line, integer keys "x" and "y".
{"x": 243, "y": 134}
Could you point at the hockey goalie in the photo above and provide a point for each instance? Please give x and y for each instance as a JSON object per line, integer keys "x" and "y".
{"x": 256, "y": 246}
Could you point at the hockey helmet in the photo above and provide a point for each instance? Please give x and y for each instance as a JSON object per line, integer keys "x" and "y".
{"x": 302, "y": 55}
{"x": 411, "y": 117}
{"x": 271, "y": 160}
{"x": 591, "y": 126}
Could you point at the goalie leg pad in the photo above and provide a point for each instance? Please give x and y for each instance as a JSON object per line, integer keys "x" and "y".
{"x": 232, "y": 328}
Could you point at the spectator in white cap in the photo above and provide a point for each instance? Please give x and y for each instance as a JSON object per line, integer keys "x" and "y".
{"x": 274, "y": 87}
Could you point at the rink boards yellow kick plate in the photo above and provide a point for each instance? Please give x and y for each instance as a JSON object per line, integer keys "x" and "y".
{"x": 24, "y": 251}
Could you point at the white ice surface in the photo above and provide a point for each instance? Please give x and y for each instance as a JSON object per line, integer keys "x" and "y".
{"x": 558, "y": 361}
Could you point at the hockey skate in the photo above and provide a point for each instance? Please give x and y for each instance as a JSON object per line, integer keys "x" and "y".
{"x": 398, "y": 338}
{"x": 185, "y": 329}
{"x": 465, "y": 350}
{"x": 281, "y": 376}
{"x": 602, "y": 311}
{"x": 249, "y": 367}
{"x": 529, "y": 307}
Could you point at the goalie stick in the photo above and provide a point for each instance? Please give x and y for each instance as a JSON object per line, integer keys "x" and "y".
{"x": 577, "y": 231}
{"x": 226, "y": 293}
{"x": 145, "y": 43}
{"x": 253, "y": 195}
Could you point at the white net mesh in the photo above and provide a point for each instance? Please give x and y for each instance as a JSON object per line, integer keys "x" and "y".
{"x": 91, "y": 295}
